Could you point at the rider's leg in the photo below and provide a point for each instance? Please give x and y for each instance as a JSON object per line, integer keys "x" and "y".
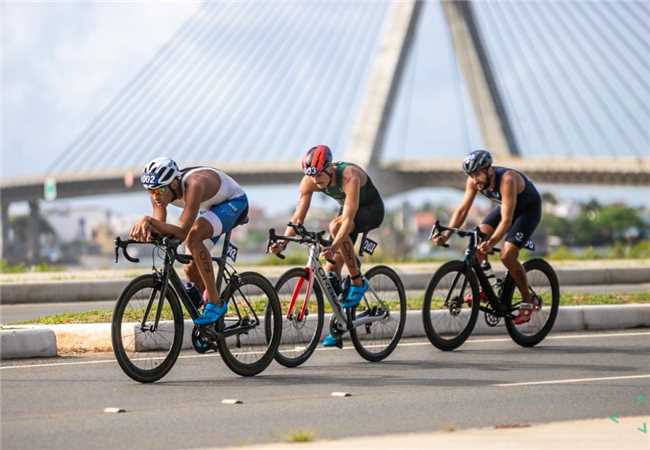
{"x": 486, "y": 229}
{"x": 338, "y": 257}
{"x": 509, "y": 257}
{"x": 346, "y": 254}
{"x": 489, "y": 224}
{"x": 200, "y": 231}
{"x": 192, "y": 274}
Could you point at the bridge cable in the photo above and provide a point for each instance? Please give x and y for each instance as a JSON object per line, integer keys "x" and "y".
{"x": 563, "y": 55}
{"x": 305, "y": 118}
{"x": 220, "y": 76}
{"x": 280, "y": 67}
{"x": 137, "y": 117}
{"x": 196, "y": 87}
{"x": 620, "y": 74}
{"x": 112, "y": 107}
{"x": 595, "y": 69}
{"x": 535, "y": 46}
{"x": 494, "y": 10}
{"x": 356, "y": 84}
{"x": 181, "y": 78}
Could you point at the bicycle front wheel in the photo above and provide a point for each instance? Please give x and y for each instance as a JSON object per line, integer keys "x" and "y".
{"x": 244, "y": 343}
{"x": 300, "y": 332}
{"x": 383, "y": 309}
{"x": 543, "y": 283}
{"x": 451, "y": 305}
{"x": 146, "y": 329}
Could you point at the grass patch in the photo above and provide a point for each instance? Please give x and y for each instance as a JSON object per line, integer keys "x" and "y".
{"x": 414, "y": 304}
{"x": 22, "y": 268}
{"x": 300, "y": 436}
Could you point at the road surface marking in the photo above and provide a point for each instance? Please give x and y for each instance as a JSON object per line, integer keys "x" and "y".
{"x": 573, "y": 380}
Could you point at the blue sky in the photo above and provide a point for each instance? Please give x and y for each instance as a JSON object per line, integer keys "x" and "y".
{"x": 63, "y": 61}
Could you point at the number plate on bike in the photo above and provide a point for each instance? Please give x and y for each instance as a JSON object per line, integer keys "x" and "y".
{"x": 368, "y": 245}
{"x": 530, "y": 245}
{"x": 232, "y": 251}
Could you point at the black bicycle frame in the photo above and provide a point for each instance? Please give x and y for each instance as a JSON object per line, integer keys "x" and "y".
{"x": 169, "y": 277}
{"x": 470, "y": 262}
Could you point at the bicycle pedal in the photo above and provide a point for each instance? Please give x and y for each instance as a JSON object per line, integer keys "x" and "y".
{"x": 208, "y": 332}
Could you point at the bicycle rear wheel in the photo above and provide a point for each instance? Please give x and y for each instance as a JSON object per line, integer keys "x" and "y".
{"x": 144, "y": 351}
{"x": 300, "y": 337}
{"x": 384, "y": 301}
{"x": 251, "y": 301}
{"x": 451, "y": 305}
{"x": 543, "y": 283}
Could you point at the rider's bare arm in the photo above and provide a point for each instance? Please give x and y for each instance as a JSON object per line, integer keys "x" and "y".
{"x": 460, "y": 214}
{"x": 510, "y": 185}
{"x": 305, "y": 191}
{"x": 193, "y": 195}
{"x": 351, "y": 187}
{"x": 159, "y": 212}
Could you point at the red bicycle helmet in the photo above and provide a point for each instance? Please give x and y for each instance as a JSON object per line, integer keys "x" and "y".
{"x": 316, "y": 160}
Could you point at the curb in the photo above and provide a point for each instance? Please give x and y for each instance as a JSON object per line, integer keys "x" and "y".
{"x": 27, "y": 343}
{"x": 88, "y": 291}
{"x": 30, "y": 341}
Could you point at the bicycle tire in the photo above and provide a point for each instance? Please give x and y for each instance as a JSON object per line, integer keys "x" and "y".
{"x": 435, "y": 336}
{"x": 119, "y": 349}
{"x": 284, "y": 356}
{"x": 509, "y": 287}
{"x": 366, "y": 351}
{"x": 236, "y": 287}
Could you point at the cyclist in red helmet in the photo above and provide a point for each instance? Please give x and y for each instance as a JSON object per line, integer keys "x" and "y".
{"x": 361, "y": 210}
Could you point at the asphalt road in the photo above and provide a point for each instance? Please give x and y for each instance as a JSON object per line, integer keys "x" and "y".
{"x": 59, "y": 403}
{"x": 14, "y": 313}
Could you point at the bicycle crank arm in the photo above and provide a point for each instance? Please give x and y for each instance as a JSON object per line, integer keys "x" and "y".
{"x": 369, "y": 319}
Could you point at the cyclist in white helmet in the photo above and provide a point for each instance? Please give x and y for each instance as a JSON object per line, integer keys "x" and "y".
{"x": 212, "y": 203}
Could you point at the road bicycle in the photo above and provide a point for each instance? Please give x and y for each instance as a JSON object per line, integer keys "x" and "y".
{"x": 148, "y": 321}
{"x": 460, "y": 289}
{"x": 375, "y": 325}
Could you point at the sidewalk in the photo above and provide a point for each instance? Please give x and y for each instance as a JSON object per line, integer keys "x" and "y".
{"x": 594, "y": 434}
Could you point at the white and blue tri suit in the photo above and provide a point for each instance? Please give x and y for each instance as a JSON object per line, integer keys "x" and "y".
{"x": 224, "y": 208}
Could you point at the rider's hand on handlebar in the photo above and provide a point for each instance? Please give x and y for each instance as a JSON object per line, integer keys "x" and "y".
{"x": 328, "y": 253}
{"x": 484, "y": 248}
{"x": 277, "y": 247}
{"x": 440, "y": 239}
{"x": 142, "y": 230}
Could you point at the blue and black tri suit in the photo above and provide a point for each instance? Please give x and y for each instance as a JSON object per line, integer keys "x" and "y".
{"x": 528, "y": 210}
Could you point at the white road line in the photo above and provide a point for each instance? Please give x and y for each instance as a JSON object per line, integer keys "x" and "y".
{"x": 405, "y": 344}
{"x": 574, "y": 380}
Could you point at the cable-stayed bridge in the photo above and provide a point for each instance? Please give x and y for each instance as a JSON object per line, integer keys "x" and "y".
{"x": 559, "y": 90}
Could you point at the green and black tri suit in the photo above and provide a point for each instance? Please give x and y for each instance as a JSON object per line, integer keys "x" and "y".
{"x": 370, "y": 214}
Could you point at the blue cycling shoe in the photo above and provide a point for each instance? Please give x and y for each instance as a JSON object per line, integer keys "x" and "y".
{"x": 211, "y": 313}
{"x": 331, "y": 341}
{"x": 355, "y": 294}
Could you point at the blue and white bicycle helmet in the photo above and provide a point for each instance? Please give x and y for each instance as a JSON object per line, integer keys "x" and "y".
{"x": 159, "y": 172}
